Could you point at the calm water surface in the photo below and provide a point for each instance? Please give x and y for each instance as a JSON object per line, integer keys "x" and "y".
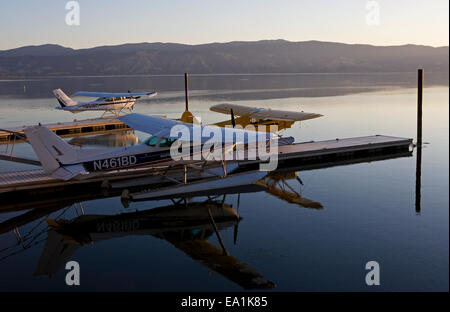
{"x": 369, "y": 210}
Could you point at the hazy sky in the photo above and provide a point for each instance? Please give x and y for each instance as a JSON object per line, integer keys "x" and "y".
{"x": 110, "y": 22}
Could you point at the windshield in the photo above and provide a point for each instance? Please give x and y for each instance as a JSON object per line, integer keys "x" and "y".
{"x": 151, "y": 141}
{"x": 166, "y": 142}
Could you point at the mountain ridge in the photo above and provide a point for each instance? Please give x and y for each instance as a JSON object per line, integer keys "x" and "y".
{"x": 235, "y": 57}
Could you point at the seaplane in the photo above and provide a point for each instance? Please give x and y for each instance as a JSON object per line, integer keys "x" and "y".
{"x": 114, "y": 103}
{"x": 260, "y": 118}
{"x": 62, "y": 161}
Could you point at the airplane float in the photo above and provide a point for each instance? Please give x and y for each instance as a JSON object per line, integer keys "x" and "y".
{"x": 107, "y": 102}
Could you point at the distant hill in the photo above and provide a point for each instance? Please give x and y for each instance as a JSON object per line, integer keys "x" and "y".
{"x": 267, "y": 56}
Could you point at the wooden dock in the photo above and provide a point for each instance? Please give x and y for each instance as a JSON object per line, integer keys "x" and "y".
{"x": 72, "y": 128}
{"x": 300, "y": 156}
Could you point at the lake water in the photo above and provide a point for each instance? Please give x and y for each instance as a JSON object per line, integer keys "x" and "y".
{"x": 369, "y": 209}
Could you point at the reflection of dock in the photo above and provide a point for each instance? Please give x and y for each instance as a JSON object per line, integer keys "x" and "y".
{"x": 73, "y": 128}
{"x": 310, "y": 154}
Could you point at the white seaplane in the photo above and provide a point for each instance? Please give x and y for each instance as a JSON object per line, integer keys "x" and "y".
{"x": 107, "y": 102}
{"x": 62, "y": 161}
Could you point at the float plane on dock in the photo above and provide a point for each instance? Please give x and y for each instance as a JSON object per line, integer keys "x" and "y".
{"x": 107, "y": 102}
{"x": 62, "y": 161}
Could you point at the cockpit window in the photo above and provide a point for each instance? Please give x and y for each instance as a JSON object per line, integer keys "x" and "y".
{"x": 151, "y": 141}
{"x": 166, "y": 142}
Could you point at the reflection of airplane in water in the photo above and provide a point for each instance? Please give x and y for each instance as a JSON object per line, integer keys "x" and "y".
{"x": 274, "y": 183}
{"x": 118, "y": 139}
{"x": 186, "y": 226}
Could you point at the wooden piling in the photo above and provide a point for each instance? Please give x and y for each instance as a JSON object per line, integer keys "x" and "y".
{"x": 419, "y": 105}
{"x": 186, "y": 92}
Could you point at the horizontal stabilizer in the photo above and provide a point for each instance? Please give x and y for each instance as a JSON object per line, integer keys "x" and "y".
{"x": 68, "y": 172}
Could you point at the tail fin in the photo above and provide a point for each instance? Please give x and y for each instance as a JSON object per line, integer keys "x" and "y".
{"x": 52, "y": 152}
{"x": 63, "y": 99}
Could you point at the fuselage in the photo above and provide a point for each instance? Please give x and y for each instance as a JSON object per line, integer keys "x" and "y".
{"x": 149, "y": 154}
{"x": 102, "y": 104}
{"x": 156, "y": 153}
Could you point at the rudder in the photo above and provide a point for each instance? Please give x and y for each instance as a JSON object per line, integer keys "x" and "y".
{"x": 63, "y": 99}
{"x": 51, "y": 150}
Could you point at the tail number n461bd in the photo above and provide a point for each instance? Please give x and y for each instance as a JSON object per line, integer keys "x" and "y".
{"x": 114, "y": 162}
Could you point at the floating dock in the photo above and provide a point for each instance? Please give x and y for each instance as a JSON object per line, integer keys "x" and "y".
{"x": 323, "y": 152}
{"x": 298, "y": 156}
{"x": 72, "y": 128}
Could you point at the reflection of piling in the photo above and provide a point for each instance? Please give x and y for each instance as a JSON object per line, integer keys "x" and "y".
{"x": 418, "y": 177}
{"x": 419, "y": 140}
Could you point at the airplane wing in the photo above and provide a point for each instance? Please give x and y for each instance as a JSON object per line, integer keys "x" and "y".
{"x": 161, "y": 127}
{"x": 109, "y": 95}
{"x": 262, "y": 113}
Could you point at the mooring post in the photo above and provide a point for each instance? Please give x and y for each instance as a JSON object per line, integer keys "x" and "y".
{"x": 186, "y": 92}
{"x": 419, "y": 140}
{"x": 419, "y": 105}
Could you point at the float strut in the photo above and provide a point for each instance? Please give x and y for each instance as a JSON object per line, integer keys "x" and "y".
{"x": 225, "y": 252}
